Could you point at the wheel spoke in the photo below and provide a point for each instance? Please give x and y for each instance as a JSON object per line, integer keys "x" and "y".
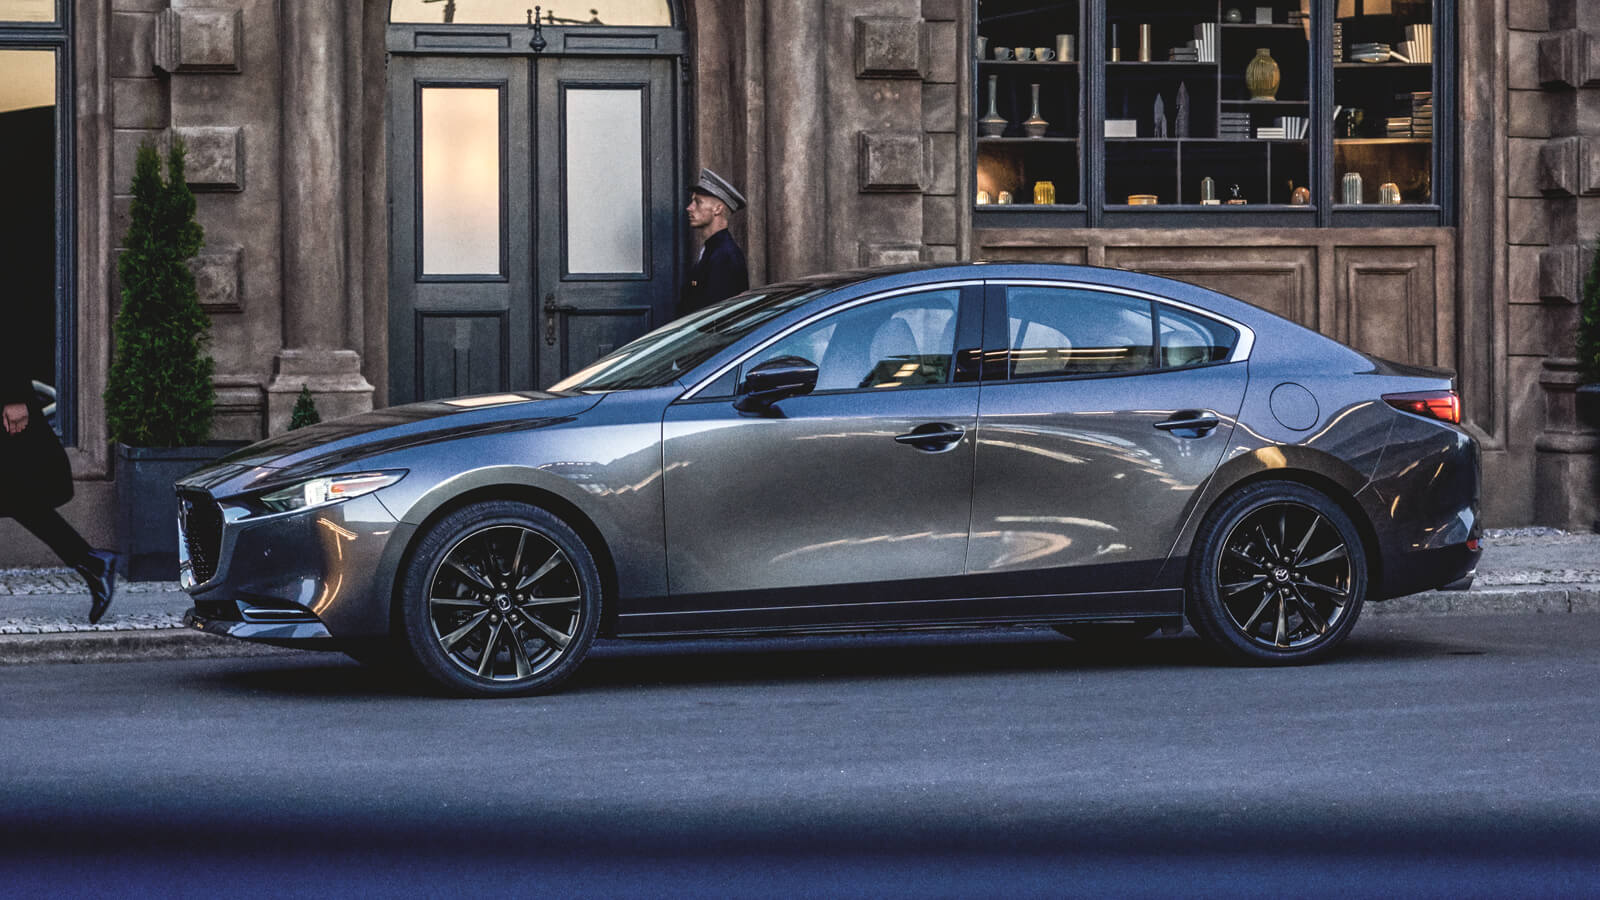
{"x": 524, "y": 667}
{"x": 469, "y": 602}
{"x": 1246, "y": 558}
{"x": 1309, "y": 613}
{"x": 559, "y": 638}
{"x": 1241, "y": 586}
{"x": 1338, "y": 552}
{"x": 455, "y": 637}
{"x": 1266, "y": 598}
{"x": 1266, "y": 541}
{"x": 1300, "y": 551}
{"x": 1282, "y": 638}
{"x": 1283, "y": 527}
{"x": 516, "y": 559}
{"x": 470, "y": 575}
{"x": 548, "y": 601}
{"x": 486, "y": 662}
{"x": 549, "y": 564}
{"x": 1337, "y": 595}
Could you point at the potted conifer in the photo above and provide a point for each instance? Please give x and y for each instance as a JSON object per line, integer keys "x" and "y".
{"x": 159, "y": 396}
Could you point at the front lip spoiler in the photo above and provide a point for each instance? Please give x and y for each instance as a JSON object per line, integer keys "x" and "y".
{"x": 290, "y": 633}
{"x": 1461, "y": 584}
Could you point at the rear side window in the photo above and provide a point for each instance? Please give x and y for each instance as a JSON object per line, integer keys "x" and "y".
{"x": 1068, "y": 331}
{"x": 1192, "y": 340}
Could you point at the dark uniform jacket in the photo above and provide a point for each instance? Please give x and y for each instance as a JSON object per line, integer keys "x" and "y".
{"x": 720, "y": 273}
{"x": 34, "y": 472}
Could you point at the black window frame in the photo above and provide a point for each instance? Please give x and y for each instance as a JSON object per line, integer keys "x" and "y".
{"x": 56, "y": 36}
{"x": 1092, "y": 211}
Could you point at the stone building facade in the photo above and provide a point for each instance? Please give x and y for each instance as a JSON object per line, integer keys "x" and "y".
{"x": 850, "y": 127}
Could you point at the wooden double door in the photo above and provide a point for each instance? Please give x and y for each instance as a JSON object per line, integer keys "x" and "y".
{"x": 534, "y": 217}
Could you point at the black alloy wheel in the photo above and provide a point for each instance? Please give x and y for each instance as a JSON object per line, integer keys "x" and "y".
{"x": 501, "y": 599}
{"x": 1278, "y": 575}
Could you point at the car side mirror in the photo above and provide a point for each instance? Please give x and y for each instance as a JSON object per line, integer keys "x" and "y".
{"x": 775, "y": 380}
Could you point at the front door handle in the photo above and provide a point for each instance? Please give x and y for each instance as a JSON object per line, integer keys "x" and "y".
{"x": 932, "y": 437}
{"x": 551, "y": 309}
{"x": 1190, "y": 423}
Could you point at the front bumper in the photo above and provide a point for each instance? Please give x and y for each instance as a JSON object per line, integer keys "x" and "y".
{"x": 300, "y": 577}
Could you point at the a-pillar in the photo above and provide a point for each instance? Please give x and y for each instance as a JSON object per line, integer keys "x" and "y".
{"x": 317, "y": 306}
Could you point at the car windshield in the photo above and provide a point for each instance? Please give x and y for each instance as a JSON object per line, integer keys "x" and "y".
{"x": 664, "y": 355}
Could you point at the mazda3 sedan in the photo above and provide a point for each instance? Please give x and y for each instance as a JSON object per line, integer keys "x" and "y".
{"x": 1106, "y": 452}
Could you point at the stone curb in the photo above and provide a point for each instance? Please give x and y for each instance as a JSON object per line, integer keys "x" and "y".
{"x": 54, "y": 643}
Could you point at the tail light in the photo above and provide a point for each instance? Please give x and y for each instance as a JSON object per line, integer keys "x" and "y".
{"x": 1442, "y": 405}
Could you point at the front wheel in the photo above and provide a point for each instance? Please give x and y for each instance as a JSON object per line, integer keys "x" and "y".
{"x": 501, "y": 599}
{"x": 1277, "y": 575}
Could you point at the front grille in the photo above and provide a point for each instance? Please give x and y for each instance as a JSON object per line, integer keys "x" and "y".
{"x": 200, "y": 521}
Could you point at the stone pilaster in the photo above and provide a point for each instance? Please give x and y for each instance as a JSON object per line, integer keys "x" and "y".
{"x": 316, "y": 297}
{"x": 798, "y": 208}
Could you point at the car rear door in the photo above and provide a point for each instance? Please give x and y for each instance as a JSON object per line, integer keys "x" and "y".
{"x": 1102, "y": 415}
{"x": 852, "y": 503}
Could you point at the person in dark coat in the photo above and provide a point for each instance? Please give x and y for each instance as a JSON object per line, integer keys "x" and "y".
{"x": 720, "y": 271}
{"x": 35, "y": 478}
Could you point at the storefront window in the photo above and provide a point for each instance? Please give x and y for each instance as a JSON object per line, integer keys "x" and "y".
{"x": 653, "y": 13}
{"x": 1189, "y": 112}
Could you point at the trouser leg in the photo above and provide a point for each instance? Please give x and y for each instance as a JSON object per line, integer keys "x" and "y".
{"x": 57, "y": 533}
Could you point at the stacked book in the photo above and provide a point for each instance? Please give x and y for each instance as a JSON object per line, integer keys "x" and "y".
{"x": 1271, "y": 133}
{"x": 1190, "y": 53}
{"x": 1418, "y": 45}
{"x": 1205, "y": 41}
{"x": 1295, "y": 128}
{"x": 1234, "y": 126}
{"x": 1398, "y": 126}
{"x": 1422, "y": 114}
{"x": 1370, "y": 52}
{"x": 1338, "y": 41}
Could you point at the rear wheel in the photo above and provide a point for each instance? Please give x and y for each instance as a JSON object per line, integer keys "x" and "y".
{"x": 1277, "y": 576}
{"x": 501, "y": 599}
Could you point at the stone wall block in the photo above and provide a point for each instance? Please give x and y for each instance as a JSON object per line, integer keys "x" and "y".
{"x": 890, "y": 254}
{"x": 939, "y": 108}
{"x": 1558, "y": 273}
{"x": 944, "y": 56}
{"x": 939, "y": 10}
{"x": 1558, "y": 167}
{"x": 1589, "y": 166}
{"x": 890, "y": 162}
{"x": 939, "y": 220}
{"x": 939, "y": 164}
{"x": 139, "y": 103}
{"x": 216, "y": 279}
{"x": 200, "y": 40}
{"x": 1562, "y": 59}
{"x": 889, "y": 47}
{"x": 216, "y": 157}
{"x": 940, "y": 253}
{"x": 132, "y": 45}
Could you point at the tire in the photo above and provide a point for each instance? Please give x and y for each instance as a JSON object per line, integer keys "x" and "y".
{"x": 1277, "y": 576}
{"x": 1108, "y": 634}
{"x": 500, "y": 599}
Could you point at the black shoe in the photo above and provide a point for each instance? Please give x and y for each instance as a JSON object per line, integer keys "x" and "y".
{"x": 100, "y": 571}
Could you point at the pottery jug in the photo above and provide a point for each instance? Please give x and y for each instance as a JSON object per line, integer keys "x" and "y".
{"x": 992, "y": 125}
{"x": 1035, "y": 125}
{"x": 1261, "y": 76}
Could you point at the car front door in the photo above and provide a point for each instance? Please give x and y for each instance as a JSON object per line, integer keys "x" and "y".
{"x": 1103, "y": 414}
{"x": 849, "y": 504}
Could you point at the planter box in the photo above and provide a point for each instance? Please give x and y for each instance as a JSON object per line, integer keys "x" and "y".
{"x": 147, "y": 508}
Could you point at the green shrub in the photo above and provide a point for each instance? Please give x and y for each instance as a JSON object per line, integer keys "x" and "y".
{"x": 305, "y": 411}
{"x": 159, "y": 391}
{"x": 1589, "y": 322}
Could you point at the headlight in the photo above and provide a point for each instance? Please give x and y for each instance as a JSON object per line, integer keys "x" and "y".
{"x": 323, "y": 491}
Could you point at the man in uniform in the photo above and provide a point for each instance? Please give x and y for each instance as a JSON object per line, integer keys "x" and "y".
{"x": 720, "y": 272}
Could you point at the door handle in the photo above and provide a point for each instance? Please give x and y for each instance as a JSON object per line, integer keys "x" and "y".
{"x": 1190, "y": 423}
{"x": 938, "y": 436}
{"x": 551, "y": 308}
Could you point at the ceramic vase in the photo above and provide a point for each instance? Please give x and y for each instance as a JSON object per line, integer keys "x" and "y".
{"x": 1261, "y": 76}
{"x": 1351, "y": 188}
{"x": 1035, "y": 125}
{"x": 992, "y": 125}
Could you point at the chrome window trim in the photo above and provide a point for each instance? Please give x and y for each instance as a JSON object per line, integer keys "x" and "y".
{"x": 1241, "y": 350}
{"x": 819, "y": 316}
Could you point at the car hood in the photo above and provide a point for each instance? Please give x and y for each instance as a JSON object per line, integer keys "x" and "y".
{"x": 331, "y": 445}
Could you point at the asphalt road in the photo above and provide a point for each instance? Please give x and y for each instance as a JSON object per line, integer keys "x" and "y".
{"x": 1436, "y": 757}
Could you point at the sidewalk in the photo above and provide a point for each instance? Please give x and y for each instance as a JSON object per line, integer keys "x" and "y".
{"x": 44, "y": 612}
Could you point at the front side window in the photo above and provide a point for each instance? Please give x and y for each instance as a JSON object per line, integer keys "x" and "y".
{"x": 1057, "y": 332}
{"x": 1154, "y": 112}
{"x": 898, "y": 342}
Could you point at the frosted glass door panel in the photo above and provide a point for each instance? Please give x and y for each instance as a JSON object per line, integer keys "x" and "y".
{"x": 515, "y": 12}
{"x": 27, "y": 10}
{"x": 605, "y": 181}
{"x": 461, "y": 181}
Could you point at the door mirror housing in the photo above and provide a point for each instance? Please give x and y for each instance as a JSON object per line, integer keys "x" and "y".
{"x": 775, "y": 380}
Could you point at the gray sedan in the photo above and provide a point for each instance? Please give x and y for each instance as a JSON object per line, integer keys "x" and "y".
{"x": 1102, "y": 451}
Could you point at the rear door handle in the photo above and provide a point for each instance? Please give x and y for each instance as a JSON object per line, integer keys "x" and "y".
{"x": 1190, "y": 423}
{"x": 936, "y": 436}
